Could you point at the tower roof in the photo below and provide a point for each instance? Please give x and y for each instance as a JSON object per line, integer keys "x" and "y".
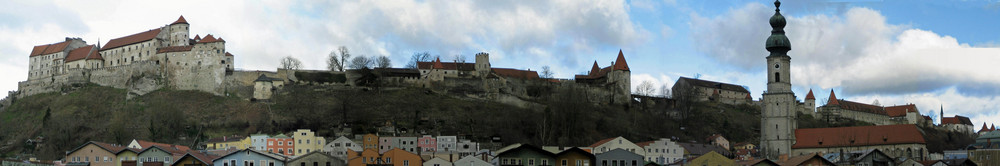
{"x": 992, "y": 127}
{"x": 778, "y": 43}
{"x": 595, "y": 69}
{"x": 197, "y": 37}
{"x": 180, "y": 20}
{"x": 833, "y": 99}
{"x": 437, "y": 64}
{"x": 809, "y": 96}
{"x": 984, "y": 129}
{"x": 620, "y": 63}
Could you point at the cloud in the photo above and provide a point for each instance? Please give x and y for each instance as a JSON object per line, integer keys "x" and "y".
{"x": 861, "y": 54}
{"x": 517, "y": 34}
{"x": 856, "y": 50}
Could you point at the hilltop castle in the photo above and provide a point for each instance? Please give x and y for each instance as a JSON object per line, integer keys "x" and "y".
{"x": 140, "y": 62}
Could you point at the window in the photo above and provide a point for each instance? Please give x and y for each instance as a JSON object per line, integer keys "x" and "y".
{"x": 545, "y": 162}
{"x": 777, "y": 77}
{"x": 531, "y": 161}
{"x": 232, "y": 162}
{"x": 406, "y": 162}
{"x": 279, "y": 143}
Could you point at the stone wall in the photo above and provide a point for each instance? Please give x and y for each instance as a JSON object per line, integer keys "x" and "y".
{"x": 240, "y": 83}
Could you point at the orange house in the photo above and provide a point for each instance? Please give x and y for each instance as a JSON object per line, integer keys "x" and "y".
{"x": 369, "y": 141}
{"x": 366, "y": 157}
{"x": 399, "y": 157}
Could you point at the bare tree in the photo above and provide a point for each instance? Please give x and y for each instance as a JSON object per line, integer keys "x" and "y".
{"x": 382, "y": 62}
{"x": 419, "y": 57}
{"x": 547, "y": 72}
{"x": 664, "y": 91}
{"x": 290, "y": 63}
{"x": 645, "y": 88}
{"x": 333, "y": 62}
{"x": 360, "y": 62}
{"x": 345, "y": 55}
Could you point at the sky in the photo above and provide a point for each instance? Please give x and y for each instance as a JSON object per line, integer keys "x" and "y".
{"x": 935, "y": 54}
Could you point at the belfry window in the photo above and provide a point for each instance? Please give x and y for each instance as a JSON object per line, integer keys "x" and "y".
{"x": 777, "y": 77}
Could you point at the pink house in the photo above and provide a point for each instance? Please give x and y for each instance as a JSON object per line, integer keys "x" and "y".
{"x": 427, "y": 143}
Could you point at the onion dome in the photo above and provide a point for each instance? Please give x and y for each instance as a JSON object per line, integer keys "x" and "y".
{"x": 778, "y": 43}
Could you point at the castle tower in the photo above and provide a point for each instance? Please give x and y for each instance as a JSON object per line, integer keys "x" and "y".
{"x": 779, "y": 105}
{"x": 178, "y": 32}
{"x": 810, "y": 103}
{"x": 482, "y": 64}
{"x": 620, "y": 77}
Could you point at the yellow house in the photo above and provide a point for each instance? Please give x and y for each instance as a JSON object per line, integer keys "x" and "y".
{"x": 306, "y": 141}
{"x": 228, "y": 142}
{"x": 712, "y": 158}
{"x": 126, "y": 155}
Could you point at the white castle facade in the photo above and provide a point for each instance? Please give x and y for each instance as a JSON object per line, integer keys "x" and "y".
{"x": 142, "y": 62}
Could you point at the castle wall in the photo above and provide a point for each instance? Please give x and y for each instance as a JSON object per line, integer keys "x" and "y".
{"x": 129, "y": 54}
{"x": 241, "y": 83}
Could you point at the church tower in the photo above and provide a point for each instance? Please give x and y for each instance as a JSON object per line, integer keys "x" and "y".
{"x": 779, "y": 105}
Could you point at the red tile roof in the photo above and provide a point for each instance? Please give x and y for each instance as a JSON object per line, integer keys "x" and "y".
{"x": 713, "y": 84}
{"x": 113, "y": 148}
{"x": 220, "y": 40}
{"x": 599, "y": 143}
{"x": 228, "y": 54}
{"x": 927, "y": 117}
{"x": 48, "y": 48}
{"x": 174, "y": 49}
{"x": 595, "y": 69}
{"x": 515, "y": 73}
{"x": 809, "y": 96}
{"x": 644, "y": 144}
{"x": 992, "y": 128}
{"x": 956, "y": 120}
{"x": 147, "y": 144}
{"x": 86, "y": 52}
{"x": 901, "y": 110}
{"x": 984, "y": 128}
{"x": 131, "y": 39}
{"x": 858, "y": 136}
{"x": 620, "y": 63}
{"x": 197, "y": 37}
{"x": 209, "y": 39}
{"x": 180, "y": 21}
{"x": 833, "y": 99}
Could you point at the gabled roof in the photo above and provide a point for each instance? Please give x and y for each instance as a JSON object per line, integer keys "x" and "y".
{"x": 228, "y": 54}
{"x": 314, "y": 153}
{"x": 858, "y": 136}
{"x": 756, "y": 162}
{"x": 174, "y": 49}
{"x": 576, "y": 150}
{"x": 204, "y": 158}
{"x": 798, "y": 160}
{"x": 180, "y": 20}
{"x": 713, "y": 84}
{"x": 956, "y": 120}
{"x": 594, "y": 69}
{"x": 620, "y": 63}
{"x": 209, "y": 39}
{"x": 172, "y": 150}
{"x": 809, "y": 96}
{"x": 515, "y": 73}
{"x": 269, "y": 155}
{"x": 86, "y": 52}
{"x": 49, "y": 48}
{"x": 111, "y": 148}
{"x": 146, "y": 144}
{"x": 601, "y": 142}
{"x": 699, "y": 149}
{"x": 197, "y": 37}
{"x": 644, "y": 144}
{"x": 528, "y": 147}
{"x": 131, "y": 39}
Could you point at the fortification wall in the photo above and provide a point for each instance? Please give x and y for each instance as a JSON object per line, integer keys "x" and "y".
{"x": 120, "y": 76}
{"x": 240, "y": 83}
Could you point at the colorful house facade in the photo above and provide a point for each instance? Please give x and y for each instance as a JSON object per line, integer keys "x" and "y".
{"x": 281, "y": 144}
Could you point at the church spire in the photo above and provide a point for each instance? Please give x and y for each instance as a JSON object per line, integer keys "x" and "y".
{"x": 778, "y": 43}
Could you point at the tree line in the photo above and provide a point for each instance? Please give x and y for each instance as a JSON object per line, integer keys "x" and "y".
{"x": 341, "y": 59}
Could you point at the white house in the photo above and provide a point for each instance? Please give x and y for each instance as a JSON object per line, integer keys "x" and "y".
{"x": 662, "y": 151}
{"x": 616, "y": 143}
{"x": 437, "y": 162}
{"x": 447, "y": 143}
{"x": 471, "y": 160}
{"x": 339, "y": 147}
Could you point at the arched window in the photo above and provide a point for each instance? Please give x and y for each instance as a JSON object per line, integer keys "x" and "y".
{"x": 777, "y": 77}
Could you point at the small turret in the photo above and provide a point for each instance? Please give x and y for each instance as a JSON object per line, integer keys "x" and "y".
{"x": 833, "y": 99}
